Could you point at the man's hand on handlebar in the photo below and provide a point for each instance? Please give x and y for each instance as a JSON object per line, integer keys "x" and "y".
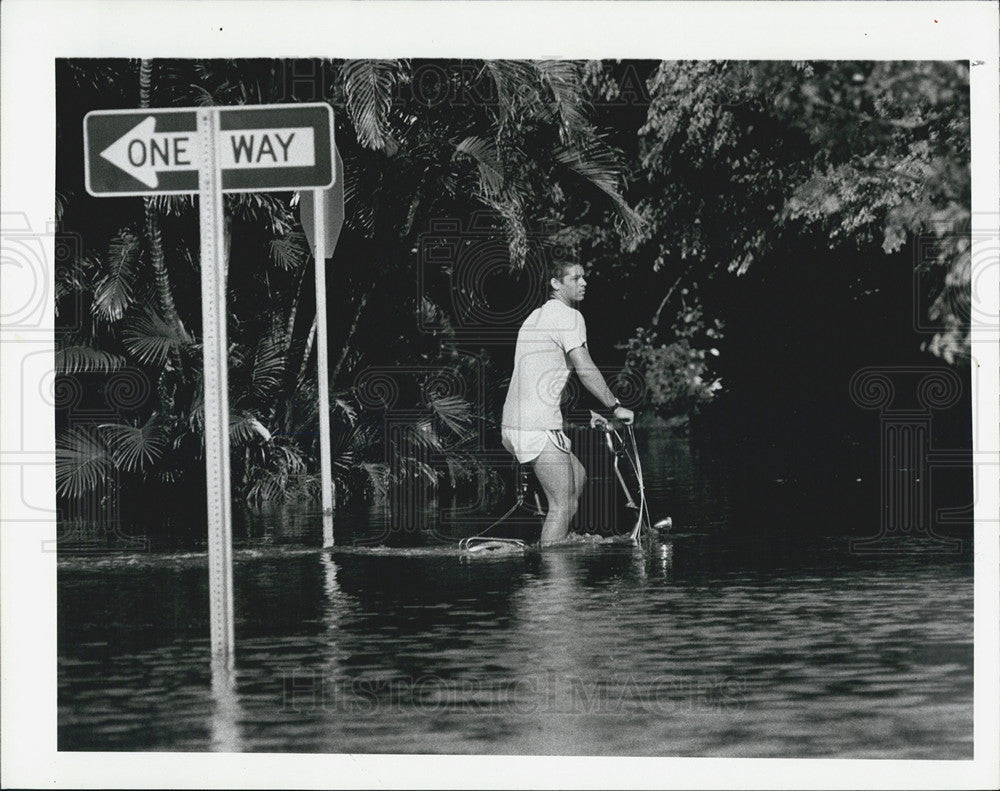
{"x": 625, "y": 415}
{"x": 622, "y": 417}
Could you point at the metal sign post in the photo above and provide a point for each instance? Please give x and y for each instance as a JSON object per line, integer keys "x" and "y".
{"x": 213, "y": 311}
{"x": 322, "y": 215}
{"x": 209, "y": 151}
{"x": 324, "y": 374}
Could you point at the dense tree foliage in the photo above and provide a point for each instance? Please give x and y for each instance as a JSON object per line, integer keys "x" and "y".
{"x": 862, "y": 158}
{"x": 419, "y": 141}
{"x": 677, "y": 184}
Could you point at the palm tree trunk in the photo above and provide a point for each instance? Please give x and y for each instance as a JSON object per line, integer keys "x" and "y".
{"x": 154, "y": 237}
{"x": 303, "y": 370}
{"x": 350, "y": 335}
{"x": 293, "y": 310}
{"x": 304, "y": 367}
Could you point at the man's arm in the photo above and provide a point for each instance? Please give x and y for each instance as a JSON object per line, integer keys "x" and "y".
{"x": 593, "y": 380}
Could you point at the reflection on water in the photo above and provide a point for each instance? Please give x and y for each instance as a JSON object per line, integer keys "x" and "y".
{"x": 227, "y": 711}
{"x": 585, "y": 649}
{"x": 712, "y": 643}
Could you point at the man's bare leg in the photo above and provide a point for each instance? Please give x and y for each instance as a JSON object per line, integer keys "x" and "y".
{"x": 562, "y": 477}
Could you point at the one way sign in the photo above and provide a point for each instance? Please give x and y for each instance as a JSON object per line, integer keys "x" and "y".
{"x": 269, "y": 147}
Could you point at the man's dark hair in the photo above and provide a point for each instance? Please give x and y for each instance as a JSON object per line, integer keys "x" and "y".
{"x": 556, "y": 268}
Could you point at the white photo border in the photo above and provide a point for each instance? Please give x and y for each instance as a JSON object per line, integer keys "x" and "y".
{"x": 37, "y": 32}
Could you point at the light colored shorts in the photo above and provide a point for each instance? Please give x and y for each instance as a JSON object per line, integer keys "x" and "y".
{"x": 526, "y": 445}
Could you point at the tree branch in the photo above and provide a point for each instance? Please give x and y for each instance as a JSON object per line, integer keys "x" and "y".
{"x": 350, "y": 334}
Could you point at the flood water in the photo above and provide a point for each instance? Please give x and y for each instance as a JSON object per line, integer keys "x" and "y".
{"x": 752, "y": 630}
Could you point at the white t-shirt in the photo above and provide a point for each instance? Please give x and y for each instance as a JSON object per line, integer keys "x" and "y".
{"x": 541, "y": 366}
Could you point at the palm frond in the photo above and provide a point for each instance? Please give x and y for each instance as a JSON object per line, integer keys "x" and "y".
{"x": 357, "y": 439}
{"x": 378, "y": 478}
{"x": 359, "y": 209}
{"x": 342, "y": 464}
{"x": 484, "y": 153}
{"x": 423, "y": 434}
{"x": 93, "y": 75}
{"x": 172, "y": 205}
{"x": 424, "y": 469}
{"x": 62, "y": 199}
{"x": 277, "y": 471}
{"x": 135, "y": 448}
{"x": 564, "y": 79}
{"x": 84, "y": 359}
{"x": 289, "y": 252}
{"x": 597, "y": 163}
{"x": 510, "y": 206}
{"x": 150, "y": 339}
{"x": 347, "y": 446}
{"x": 196, "y": 413}
{"x": 113, "y": 295}
{"x": 268, "y": 368}
{"x": 461, "y": 468}
{"x": 368, "y": 86}
{"x": 266, "y": 487}
{"x": 347, "y": 410}
{"x": 517, "y": 85}
{"x": 77, "y": 277}
{"x": 244, "y": 427}
{"x": 82, "y": 462}
{"x": 202, "y": 96}
{"x": 455, "y": 412}
{"x": 262, "y": 207}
